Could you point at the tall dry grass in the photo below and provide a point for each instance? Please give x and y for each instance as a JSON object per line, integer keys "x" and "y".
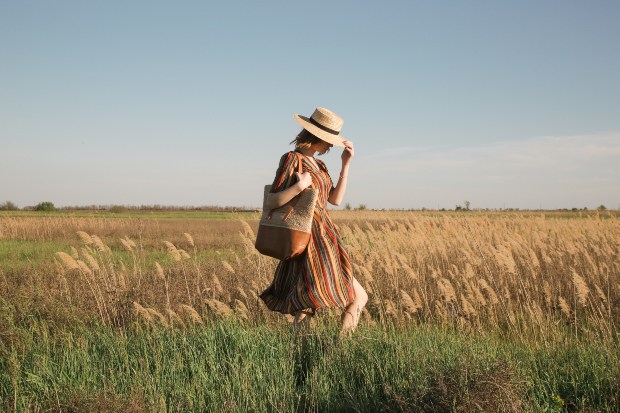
{"x": 476, "y": 271}
{"x": 208, "y": 233}
{"x": 481, "y": 271}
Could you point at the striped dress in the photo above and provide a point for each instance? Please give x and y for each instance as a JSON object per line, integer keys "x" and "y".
{"x": 322, "y": 276}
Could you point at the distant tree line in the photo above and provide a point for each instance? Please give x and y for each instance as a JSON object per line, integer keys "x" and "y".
{"x": 158, "y": 207}
{"x": 49, "y": 206}
{"x": 41, "y": 206}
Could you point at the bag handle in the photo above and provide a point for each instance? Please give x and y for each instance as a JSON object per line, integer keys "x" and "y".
{"x": 294, "y": 200}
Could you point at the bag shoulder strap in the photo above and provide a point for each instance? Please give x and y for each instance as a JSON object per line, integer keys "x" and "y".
{"x": 300, "y": 158}
{"x": 301, "y": 161}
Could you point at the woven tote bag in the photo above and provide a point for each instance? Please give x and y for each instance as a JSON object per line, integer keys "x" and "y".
{"x": 284, "y": 232}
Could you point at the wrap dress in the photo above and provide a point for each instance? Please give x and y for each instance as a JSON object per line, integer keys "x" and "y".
{"x": 321, "y": 277}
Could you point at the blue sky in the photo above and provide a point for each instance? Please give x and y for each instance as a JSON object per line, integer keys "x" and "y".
{"x": 505, "y": 104}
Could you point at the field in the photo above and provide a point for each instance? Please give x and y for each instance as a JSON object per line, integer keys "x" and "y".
{"x": 468, "y": 311}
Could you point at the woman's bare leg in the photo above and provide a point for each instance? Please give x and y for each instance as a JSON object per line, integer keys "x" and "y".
{"x": 352, "y": 312}
{"x": 301, "y": 322}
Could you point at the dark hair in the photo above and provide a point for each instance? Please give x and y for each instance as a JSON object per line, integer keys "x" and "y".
{"x": 305, "y": 139}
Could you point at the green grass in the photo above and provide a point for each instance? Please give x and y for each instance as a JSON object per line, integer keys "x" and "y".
{"x": 226, "y": 366}
{"x": 24, "y": 256}
{"x": 20, "y": 257}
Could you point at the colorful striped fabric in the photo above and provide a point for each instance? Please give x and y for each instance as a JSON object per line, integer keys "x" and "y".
{"x": 322, "y": 276}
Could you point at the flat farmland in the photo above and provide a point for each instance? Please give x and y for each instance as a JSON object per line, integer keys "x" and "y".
{"x": 159, "y": 311}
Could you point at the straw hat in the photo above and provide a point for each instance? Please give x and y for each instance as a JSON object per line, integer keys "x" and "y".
{"x": 323, "y": 124}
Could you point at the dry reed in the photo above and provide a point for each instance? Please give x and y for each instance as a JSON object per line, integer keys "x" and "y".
{"x": 468, "y": 269}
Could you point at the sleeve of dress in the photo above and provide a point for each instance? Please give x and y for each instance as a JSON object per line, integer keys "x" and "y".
{"x": 285, "y": 175}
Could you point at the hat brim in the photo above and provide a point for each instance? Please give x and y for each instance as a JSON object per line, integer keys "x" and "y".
{"x": 336, "y": 140}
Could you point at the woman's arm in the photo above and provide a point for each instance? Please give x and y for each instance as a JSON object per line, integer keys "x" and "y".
{"x": 337, "y": 194}
{"x": 277, "y": 199}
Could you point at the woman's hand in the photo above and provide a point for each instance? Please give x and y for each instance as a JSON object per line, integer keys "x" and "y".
{"x": 348, "y": 152}
{"x": 304, "y": 180}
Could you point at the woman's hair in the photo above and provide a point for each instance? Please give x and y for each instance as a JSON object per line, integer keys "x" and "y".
{"x": 305, "y": 139}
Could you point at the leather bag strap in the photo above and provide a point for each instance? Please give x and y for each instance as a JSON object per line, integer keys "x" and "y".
{"x": 300, "y": 160}
{"x": 293, "y": 201}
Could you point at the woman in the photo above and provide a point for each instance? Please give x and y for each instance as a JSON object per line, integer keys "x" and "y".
{"x": 321, "y": 277}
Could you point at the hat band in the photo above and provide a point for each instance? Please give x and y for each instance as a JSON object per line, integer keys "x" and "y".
{"x": 325, "y": 128}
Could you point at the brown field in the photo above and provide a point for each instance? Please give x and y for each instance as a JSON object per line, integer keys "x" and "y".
{"x": 519, "y": 271}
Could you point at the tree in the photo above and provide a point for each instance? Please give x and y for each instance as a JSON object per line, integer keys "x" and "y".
{"x": 467, "y": 204}
{"x": 347, "y": 206}
{"x": 45, "y": 206}
{"x": 118, "y": 209}
{"x": 8, "y": 206}
{"x": 602, "y": 208}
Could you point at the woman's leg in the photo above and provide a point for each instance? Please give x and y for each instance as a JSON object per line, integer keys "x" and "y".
{"x": 352, "y": 312}
{"x": 301, "y": 322}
